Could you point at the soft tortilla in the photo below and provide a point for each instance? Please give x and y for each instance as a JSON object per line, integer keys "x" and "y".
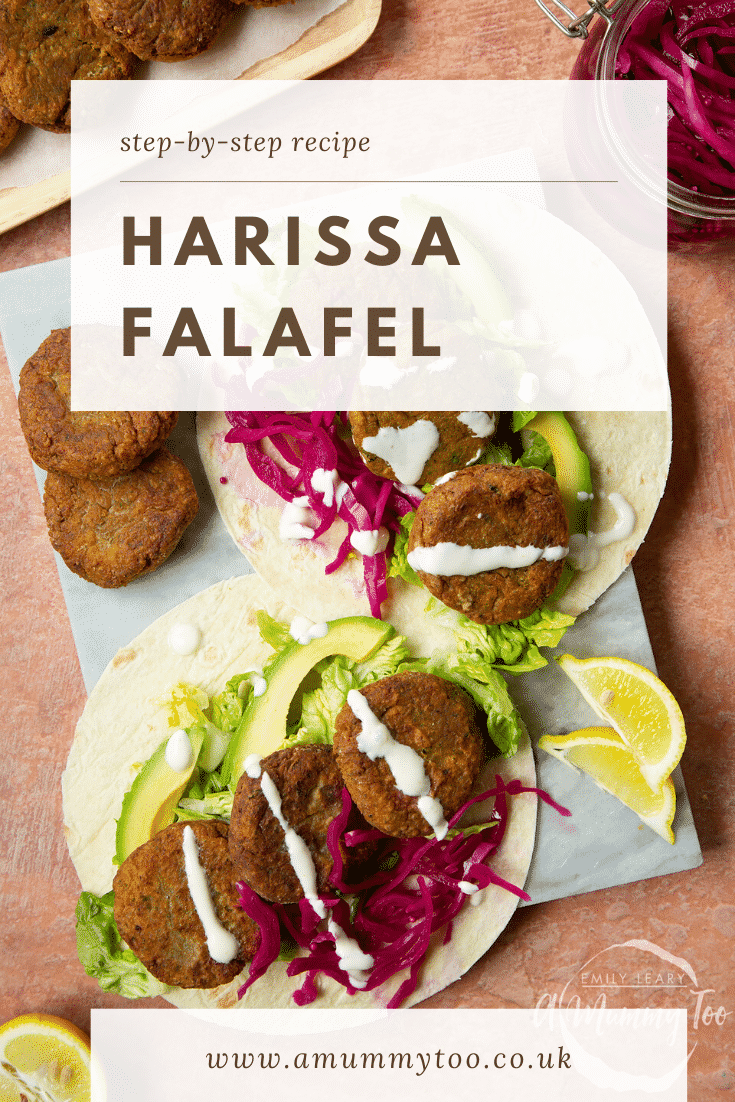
{"x": 629, "y": 454}
{"x": 125, "y": 720}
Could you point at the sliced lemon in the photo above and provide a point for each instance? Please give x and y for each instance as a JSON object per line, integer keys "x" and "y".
{"x": 602, "y": 754}
{"x": 9, "y": 1089}
{"x": 640, "y": 708}
{"x": 47, "y": 1058}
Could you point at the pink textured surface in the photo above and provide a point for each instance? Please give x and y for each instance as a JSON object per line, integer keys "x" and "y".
{"x": 684, "y": 572}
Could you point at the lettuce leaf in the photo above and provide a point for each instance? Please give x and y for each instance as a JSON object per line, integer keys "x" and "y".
{"x": 322, "y": 705}
{"x": 512, "y": 647}
{"x": 487, "y": 688}
{"x": 398, "y": 565}
{"x": 273, "y": 632}
{"x": 104, "y": 955}
{"x": 521, "y": 417}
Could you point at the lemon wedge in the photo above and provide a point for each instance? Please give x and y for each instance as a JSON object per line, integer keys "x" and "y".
{"x": 602, "y": 754}
{"x": 640, "y": 708}
{"x": 45, "y": 1058}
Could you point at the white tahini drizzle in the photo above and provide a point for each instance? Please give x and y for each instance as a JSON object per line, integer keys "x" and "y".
{"x": 298, "y": 851}
{"x": 406, "y": 450}
{"x": 325, "y": 482}
{"x": 258, "y": 682}
{"x": 178, "y": 753}
{"x": 352, "y": 960}
{"x": 184, "y": 639}
{"x": 584, "y": 550}
{"x": 222, "y": 945}
{"x": 479, "y": 424}
{"x": 294, "y": 523}
{"x": 303, "y": 630}
{"x": 370, "y": 541}
{"x": 407, "y": 767}
{"x": 251, "y": 765}
{"x": 450, "y": 559}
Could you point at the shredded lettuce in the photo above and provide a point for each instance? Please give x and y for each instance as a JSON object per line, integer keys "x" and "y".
{"x": 339, "y": 674}
{"x": 521, "y": 417}
{"x": 512, "y": 647}
{"x": 273, "y": 632}
{"x": 537, "y": 453}
{"x": 103, "y": 953}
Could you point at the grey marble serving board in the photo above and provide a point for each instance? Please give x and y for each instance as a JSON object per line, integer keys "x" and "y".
{"x": 601, "y": 845}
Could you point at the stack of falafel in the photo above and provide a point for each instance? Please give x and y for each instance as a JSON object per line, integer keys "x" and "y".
{"x": 45, "y": 44}
{"x": 116, "y": 500}
{"x": 154, "y": 910}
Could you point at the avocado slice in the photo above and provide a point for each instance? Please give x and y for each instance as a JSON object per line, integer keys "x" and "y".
{"x": 149, "y": 804}
{"x": 572, "y": 467}
{"x": 263, "y": 726}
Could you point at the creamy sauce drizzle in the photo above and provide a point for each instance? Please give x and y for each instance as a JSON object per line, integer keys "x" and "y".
{"x": 450, "y": 559}
{"x": 222, "y": 945}
{"x": 178, "y": 753}
{"x": 298, "y": 851}
{"x": 184, "y": 639}
{"x": 352, "y": 960}
{"x": 303, "y": 630}
{"x": 295, "y": 520}
{"x": 407, "y": 767}
{"x": 406, "y": 450}
{"x": 325, "y": 483}
{"x": 584, "y": 550}
{"x": 371, "y": 541}
{"x": 257, "y": 681}
{"x": 479, "y": 424}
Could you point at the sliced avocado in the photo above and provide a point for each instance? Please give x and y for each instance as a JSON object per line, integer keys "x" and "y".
{"x": 572, "y": 467}
{"x": 263, "y": 726}
{"x": 149, "y": 804}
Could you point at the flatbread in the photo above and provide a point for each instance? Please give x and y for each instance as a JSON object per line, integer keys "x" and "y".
{"x": 629, "y": 454}
{"x": 125, "y": 720}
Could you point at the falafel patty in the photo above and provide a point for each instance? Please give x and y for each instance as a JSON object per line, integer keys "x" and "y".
{"x": 434, "y": 717}
{"x": 310, "y": 785}
{"x": 419, "y": 447}
{"x": 493, "y": 506}
{"x": 112, "y": 531}
{"x": 85, "y": 445}
{"x": 156, "y": 915}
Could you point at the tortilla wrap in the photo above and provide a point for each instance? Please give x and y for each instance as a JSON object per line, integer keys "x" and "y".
{"x": 125, "y": 720}
{"x": 629, "y": 454}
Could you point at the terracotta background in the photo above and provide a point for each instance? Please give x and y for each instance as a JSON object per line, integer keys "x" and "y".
{"x": 684, "y": 572}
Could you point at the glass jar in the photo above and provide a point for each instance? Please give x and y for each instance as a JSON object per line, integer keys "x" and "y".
{"x": 696, "y": 221}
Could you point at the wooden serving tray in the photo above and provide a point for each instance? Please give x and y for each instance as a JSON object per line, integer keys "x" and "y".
{"x": 333, "y": 38}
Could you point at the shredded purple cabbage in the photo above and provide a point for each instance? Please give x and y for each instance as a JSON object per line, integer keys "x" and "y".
{"x": 399, "y": 908}
{"x": 310, "y": 442}
{"x": 691, "y": 46}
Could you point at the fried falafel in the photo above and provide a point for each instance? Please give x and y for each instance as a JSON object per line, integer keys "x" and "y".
{"x": 162, "y": 30}
{"x": 44, "y": 45}
{"x": 310, "y": 785}
{"x": 491, "y": 506}
{"x": 157, "y": 917}
{"x": 113, "y": 530}
{"x": 9, "y": 125}
{"x": 85, "y": 445}
{"x": 419, "y": 447}
{"x": 438, "y": 721}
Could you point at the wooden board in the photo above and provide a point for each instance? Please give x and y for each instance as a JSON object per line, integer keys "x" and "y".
{"x": 333, "y": 38}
